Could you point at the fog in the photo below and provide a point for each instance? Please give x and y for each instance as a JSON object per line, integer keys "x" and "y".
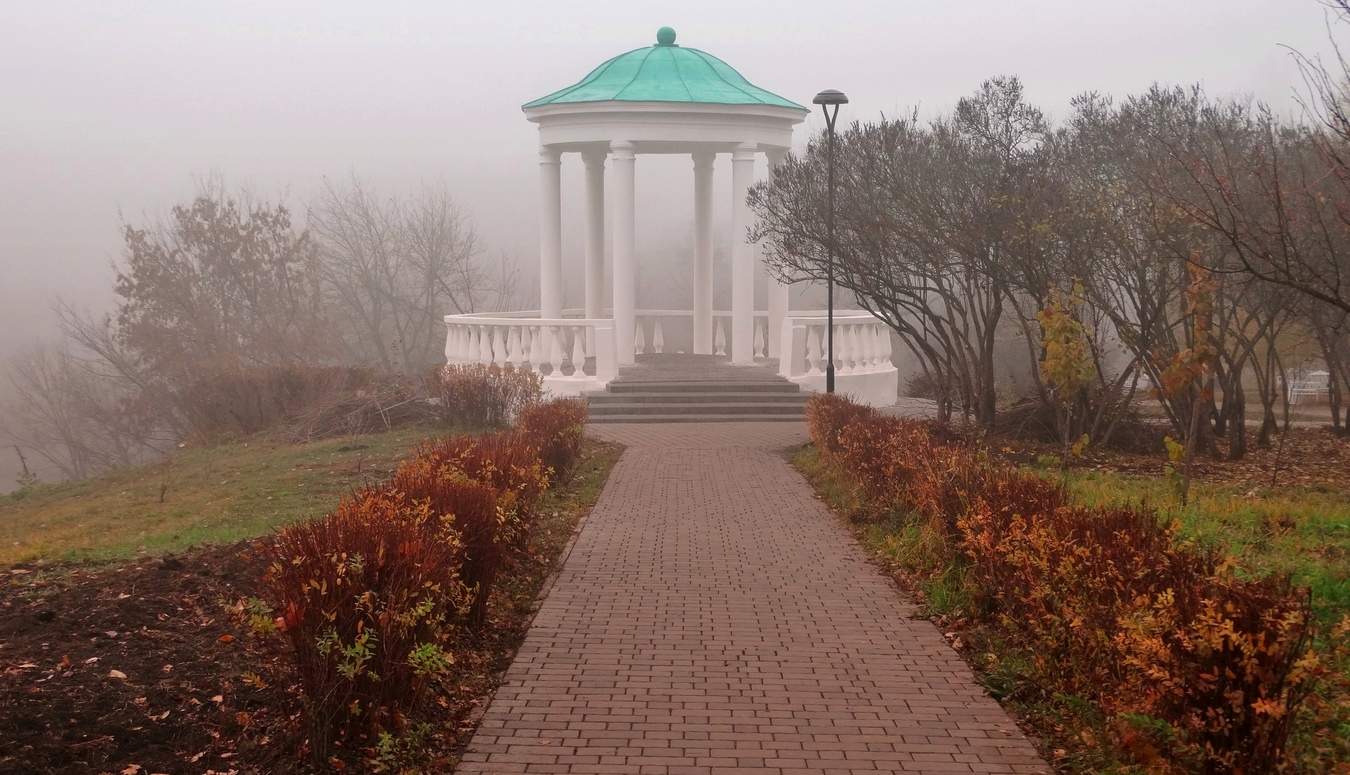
{"x": 112, "y": 111}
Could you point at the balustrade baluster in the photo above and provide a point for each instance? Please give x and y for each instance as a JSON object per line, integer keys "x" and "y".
{"x": 658, "y": 337}
{"x": 579, "y": 352}
{"x": 499, "y": 345}
{"x": 851, "y": 360}
{"x": 757, "y": 346}
{"x": 484, "y": 344}
{"x": 639, "y": 339}
{"x": 814, "y": 360}
{"x": 513, "y": 346}
{"x": 544, "y": 345}
{"x": 719, "y": 339}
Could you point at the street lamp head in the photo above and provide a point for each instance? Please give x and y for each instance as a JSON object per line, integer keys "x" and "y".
{"x": 830, "y": 97}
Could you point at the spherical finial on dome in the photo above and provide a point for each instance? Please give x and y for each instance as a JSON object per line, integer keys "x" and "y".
{"x": 665, "y": 36}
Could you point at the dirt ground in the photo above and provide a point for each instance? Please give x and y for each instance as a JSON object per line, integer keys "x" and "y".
{"x": 148, "y": 667}
{"x": 133, "y": 668}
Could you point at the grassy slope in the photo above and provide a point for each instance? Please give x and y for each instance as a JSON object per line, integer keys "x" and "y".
{"x": 210, "y": 495}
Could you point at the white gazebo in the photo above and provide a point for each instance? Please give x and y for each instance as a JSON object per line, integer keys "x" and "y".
{"x": 664, "y": 99}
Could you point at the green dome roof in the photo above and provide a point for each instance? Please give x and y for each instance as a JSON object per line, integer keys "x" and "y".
{"x": 665, "y": 72}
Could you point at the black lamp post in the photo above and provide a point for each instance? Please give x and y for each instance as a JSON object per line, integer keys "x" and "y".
{"x": 826, "y": 99}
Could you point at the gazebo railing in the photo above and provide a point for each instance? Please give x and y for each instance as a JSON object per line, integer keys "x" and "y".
{"x": 672, "y": 330}
{"x": 862, "y": 354}
{"x": 577, "y": 354}
{"x": 571, "y": 354}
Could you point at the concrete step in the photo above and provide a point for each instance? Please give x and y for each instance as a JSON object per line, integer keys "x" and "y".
{"x": 747, "y": 408}
{"x": 694, "y": 386}
{"x": 658, "y": 418}
{"x": 600, "y": 398}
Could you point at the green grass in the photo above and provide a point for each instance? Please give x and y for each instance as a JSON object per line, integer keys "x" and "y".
{"x": 208, "y": 495}
{"x": 1300, "y": 531}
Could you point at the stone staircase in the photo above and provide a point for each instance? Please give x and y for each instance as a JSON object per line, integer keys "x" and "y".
{"x": 696, "y": 388}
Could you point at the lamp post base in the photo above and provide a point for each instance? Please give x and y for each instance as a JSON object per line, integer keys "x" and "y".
{"x": 829, "y": 377}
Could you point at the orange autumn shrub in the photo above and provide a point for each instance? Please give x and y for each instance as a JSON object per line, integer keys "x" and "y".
{"x": 1110, "y": 603}
{"x": 558, "y": 427}
{"x": 1225, "y": 661}
{"x": 364, "y": 596}
{"x": 826, "y": 416}
{"x": 1063, "y": 574}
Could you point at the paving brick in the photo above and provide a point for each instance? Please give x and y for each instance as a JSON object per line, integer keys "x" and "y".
{"x": 714, "y": 618}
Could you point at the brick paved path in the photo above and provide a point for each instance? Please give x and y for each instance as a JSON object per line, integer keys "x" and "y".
{"x": 714, "y": 618}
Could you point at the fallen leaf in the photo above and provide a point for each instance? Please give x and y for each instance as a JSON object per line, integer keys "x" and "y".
{"x": 226, "y": 638}
{"x": 118, "y": 674}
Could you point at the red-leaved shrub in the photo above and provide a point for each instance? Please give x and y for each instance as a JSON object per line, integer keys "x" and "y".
{"x": 365, "y": 595}
{"x": 476, "y": 395}
{"x": 558, "y": 427}
{"x": 507, "y": 464}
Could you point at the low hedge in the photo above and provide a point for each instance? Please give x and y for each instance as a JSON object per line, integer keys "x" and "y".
{"x": 369, "y": 595}
{"x": 1199, "y": 669}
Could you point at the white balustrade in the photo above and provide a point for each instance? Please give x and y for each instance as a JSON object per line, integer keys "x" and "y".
{"x": 571, "y": 354}
{"x": 862, "y": 354}
{"x": 575, "y": 354}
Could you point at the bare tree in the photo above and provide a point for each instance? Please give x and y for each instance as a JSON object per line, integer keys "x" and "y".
{"x": 392, "y": 268}
{"x": 73, "y": 415}
{"x": 932, "y": 222}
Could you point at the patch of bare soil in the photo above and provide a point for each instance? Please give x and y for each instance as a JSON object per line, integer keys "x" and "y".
{"x": 149, "y": 667}
{"x": 133, "y": 668}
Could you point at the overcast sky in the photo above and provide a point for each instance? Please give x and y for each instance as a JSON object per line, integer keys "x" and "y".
{"x": 111, "y": 109}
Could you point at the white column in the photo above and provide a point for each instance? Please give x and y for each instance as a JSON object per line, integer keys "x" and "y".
{"x": 777, "y": 291}
{"x": 625, "y": 276}
{"x": 550, "y": 233}
{"x": 742, "y": 257}
{"x": 595, "y": 232}
{"x": 703, "y": 253}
